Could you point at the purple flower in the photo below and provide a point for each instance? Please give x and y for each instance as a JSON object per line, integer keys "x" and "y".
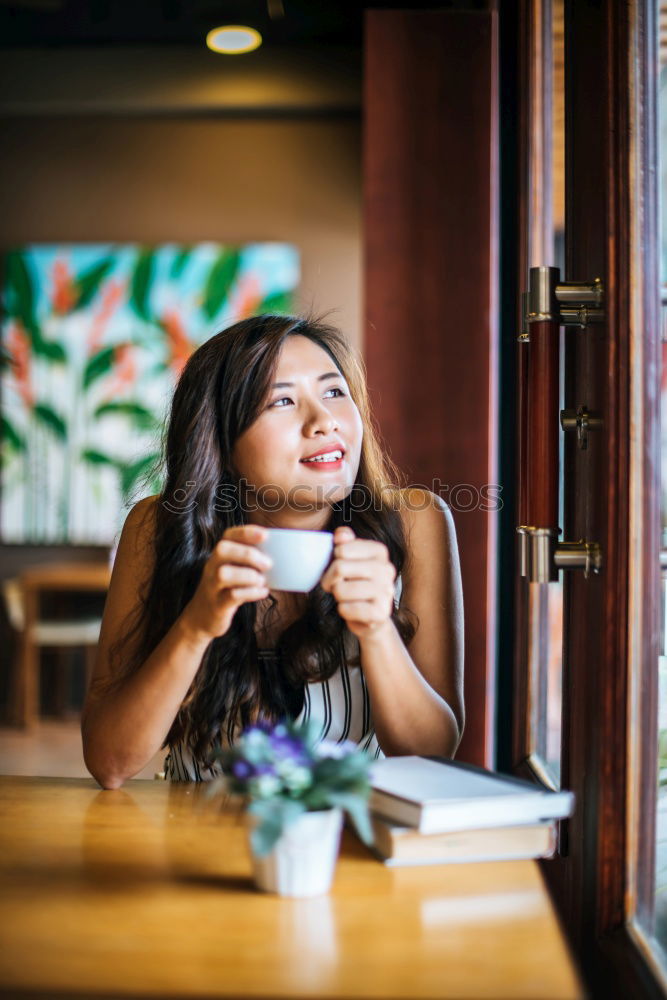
{"x": 283, "y": 745}
{"x": 242, "y": 770}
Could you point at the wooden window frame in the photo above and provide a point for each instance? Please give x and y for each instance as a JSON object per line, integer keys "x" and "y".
{"x": 604, "y": 881}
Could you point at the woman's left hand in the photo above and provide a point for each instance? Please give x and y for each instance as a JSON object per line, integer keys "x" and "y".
{"x": 361, "y": 578}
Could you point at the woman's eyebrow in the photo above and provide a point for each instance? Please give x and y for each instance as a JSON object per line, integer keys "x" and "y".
{"x": 320, "y": 378}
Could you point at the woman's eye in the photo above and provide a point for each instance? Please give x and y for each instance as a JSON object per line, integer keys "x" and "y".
{"x": 284, "y": 400}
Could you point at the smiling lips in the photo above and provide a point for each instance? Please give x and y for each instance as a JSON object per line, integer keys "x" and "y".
{"x": 331, "y": 458}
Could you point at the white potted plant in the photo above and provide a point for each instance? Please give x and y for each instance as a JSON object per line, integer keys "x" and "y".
{"x": 296, "y": 789}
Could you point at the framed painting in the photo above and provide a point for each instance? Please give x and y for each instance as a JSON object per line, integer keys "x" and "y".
{"x": 93, "y": 339}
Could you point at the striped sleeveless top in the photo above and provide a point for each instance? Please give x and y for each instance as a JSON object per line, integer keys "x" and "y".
{"x": 340, "y": 705}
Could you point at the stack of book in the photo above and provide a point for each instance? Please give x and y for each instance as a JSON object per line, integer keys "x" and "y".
{"x": 435, "y": 811}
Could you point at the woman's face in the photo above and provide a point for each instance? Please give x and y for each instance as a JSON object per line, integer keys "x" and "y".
{"x": 308, "y": 412}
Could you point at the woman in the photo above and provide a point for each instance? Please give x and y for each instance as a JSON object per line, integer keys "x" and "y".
{"x": 194, "y": 645}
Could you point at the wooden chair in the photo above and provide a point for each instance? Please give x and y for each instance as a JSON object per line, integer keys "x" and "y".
{"x": 22, "y": 599}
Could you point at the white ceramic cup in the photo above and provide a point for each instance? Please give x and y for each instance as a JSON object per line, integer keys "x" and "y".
{"x": 299, "y": 558}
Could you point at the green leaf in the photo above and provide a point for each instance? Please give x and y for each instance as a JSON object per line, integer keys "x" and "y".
{"x": 142, "y": 418}
{"x": 141, "y": 284}
{"x": 51, "y": 350}
{"x": 6, "y": 360}
{"x": 20, "y": 304}
{"x": 11, "y": 436}
{"x": 20, "y": 293}
{"x": 274, "y": 816}
{"x": 221, "y": 277}
{"x": 100, "y": 364}
{"x": 131, "y": 474}
{"x": 179, "y": 262}
{"x": 46, "y": 415}
{"x": 356, "y": 808}
{"x": 278, "y": 302}
{"x": 89, "y": 281}
{"x": 343, "y": 772}
{"x": 97, "y": 458}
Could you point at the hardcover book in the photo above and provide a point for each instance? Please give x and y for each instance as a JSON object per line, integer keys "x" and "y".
{"x": 435, "y": 795}
{"x": 400, "y": 845}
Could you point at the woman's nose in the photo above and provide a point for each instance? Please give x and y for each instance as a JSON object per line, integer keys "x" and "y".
{"x": 320, "y": 419}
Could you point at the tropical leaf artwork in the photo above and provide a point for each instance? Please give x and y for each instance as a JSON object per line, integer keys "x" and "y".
{"x": 92, "y": 340}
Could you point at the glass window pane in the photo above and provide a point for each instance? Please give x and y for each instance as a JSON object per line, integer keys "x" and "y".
{"x": 546, "y": 678}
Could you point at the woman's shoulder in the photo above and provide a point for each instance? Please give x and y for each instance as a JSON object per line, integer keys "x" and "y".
{"x": 141, "y": 520}
{"x": 419, "y": 507}
{"x": 427, "y": 522}
{"x": 143, "y": 512}
{"x": 138, "y": 534}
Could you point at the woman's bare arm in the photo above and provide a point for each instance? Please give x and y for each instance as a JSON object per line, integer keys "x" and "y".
{"x": 125, "y": 725}
{"x": 417, "y": 692}
{"x": 123, "y": 728}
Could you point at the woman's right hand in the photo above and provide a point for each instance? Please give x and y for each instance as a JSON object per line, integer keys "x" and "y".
{"x": 233, "y": 575}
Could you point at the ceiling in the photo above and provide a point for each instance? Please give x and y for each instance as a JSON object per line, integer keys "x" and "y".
{"x": 185, "y": 22}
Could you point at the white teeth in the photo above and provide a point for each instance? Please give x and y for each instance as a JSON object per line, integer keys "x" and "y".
{"x": 331, "y": 456}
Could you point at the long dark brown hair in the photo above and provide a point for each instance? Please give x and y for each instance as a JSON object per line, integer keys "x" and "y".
{"x": 220, "y": 393}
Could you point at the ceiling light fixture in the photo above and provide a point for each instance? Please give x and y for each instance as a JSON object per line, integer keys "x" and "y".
{"x": 233, "y": 39}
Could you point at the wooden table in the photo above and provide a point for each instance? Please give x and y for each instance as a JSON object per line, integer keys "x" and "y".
{"x": 57, "y": 577}
{"x": 146, "y": 892}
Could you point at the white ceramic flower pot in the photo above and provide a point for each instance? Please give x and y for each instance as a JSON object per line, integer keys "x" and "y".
{"x": 303, "y": 861}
